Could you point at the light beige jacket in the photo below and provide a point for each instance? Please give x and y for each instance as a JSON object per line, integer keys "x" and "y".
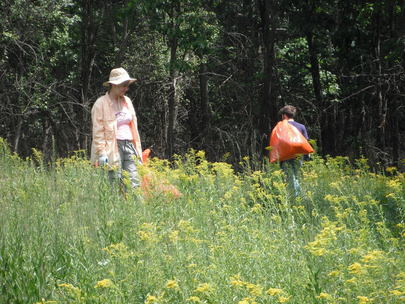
{"x": 105, "y": 131}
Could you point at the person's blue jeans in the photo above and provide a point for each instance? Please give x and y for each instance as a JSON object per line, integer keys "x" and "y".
{"x": 128, "y": 163}
{"x": 291, "y": 168}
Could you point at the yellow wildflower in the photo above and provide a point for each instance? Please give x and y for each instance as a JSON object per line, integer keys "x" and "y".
{"x": 255, "y": 290}
{"x": 247, "y": 301}
{"x": 118, "y": 250}
{"x": 186, "y": 226}
{"x": 200, "y": 154}
{"x": 194, "y": 299}
{"x": 334, "y": 199}
{"x": 171, "y": 284}
{"x": 363, "y": 300}
{"x": 203, "y": 288}
{"x": 236, "y": 280}
{"x": 397, "y": 293}
{"x": 151, "y": 300}
{"x": 391, "y": 170}
{"x": 145, "y": 235}
{"x": 351, "y": 281}
{"x": 372, "y": 256}
{"x": 354, "y": 251}
{"x": 70, "y": 288}
{"x": 43, "y": 301}
{"x": 334, "y": 273}
{"x": 257, "y": 208}
{"x": 67, "y": 286}
{"x": 274, "y": 291}
{"x": 283, "y": 299}
{"x": 319, "y": 251}
{"x": 394, "y": 185}
{"x": 174, "y": 236}
{"x": 356, "y": 268}
{"x": 324, "y": 295}
{"x": 106, "y": 283}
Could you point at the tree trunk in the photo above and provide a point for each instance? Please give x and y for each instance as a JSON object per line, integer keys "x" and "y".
{"x": 205, "y": 107}
{"x": 172, "y": 99}
{"x": 18, "y": 134}
{"x": 326, "y": 145}
{"x": 88, "y": 53}
{"x": 381, "y": 100}
{"x": 268, "y": 114}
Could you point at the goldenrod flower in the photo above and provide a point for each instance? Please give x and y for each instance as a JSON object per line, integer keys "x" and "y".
{"x": 255, "y": 290}
{"x": 235, "y": 281}
{"x": 363, "y": 300}
{"x": 257, "y": 208}
{"x": 324, "y": 295}
{"x": 203, "y": 288}
{"x": 76, "y": 291}
{"x": 247, "y": 301}
{"x": 194, "y": 299}
{"x": 106, "y": 283}
{"x": 67, "y": 286}
{"x": 171, "y": 284}
{"x": 283, "y": 299}
{"x": 145, "y": 235}
{"x": 334, "y": 273}
{"x": 356, "y": 268}
{"x": 395, "y": 185}
{"x": 373, "y": 255}
{"x": 397, "y": 293}
{"x": 152, "y": 299}
{"x": 43, "y": 301}
{"x": 200, "y": 154}
{"x": 391, "y": 170}
{"x": 274, "y": 291}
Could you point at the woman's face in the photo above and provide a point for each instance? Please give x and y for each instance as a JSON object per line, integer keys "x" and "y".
{"x": 120, "y": 89}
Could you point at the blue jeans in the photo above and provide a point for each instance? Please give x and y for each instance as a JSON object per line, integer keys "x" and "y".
{"x": 128, "y": 158}
{"x": 291, "y": 168}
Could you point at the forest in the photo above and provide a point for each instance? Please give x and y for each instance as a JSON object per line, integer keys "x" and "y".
{"x": 212, "y": 74}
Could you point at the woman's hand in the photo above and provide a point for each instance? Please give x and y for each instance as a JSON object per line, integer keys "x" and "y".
{"x": 102, "y": 160}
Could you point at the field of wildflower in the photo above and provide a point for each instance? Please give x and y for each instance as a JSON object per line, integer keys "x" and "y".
{"x": 67, "y": 236}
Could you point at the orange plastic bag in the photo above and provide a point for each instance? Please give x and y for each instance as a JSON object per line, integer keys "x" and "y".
{"x": 151, "y": 186}
{"x": 286, "y": 142}
{"x": 145, "y": 155}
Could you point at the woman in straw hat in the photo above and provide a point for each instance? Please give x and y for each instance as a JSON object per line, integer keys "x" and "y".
{"x": 116, "y": 142}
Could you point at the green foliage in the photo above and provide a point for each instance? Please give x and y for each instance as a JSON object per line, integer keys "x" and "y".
{"x": 67, "y": 236}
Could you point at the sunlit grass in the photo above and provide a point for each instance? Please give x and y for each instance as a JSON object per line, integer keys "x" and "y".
{"x": 66, "y": 236}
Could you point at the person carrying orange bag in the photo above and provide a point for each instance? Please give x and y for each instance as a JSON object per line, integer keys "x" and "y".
{"x": 288, "y": 140}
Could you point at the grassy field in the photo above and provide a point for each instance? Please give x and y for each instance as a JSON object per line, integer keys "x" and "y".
{"x": 66, "y": 236}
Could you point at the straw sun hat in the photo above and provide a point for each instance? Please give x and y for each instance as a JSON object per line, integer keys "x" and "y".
{"x": 118, "y": 76}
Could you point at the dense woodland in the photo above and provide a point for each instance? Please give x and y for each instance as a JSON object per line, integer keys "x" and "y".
{"x": 212, "y": 74}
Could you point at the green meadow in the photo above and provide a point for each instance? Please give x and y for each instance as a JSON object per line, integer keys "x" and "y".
{"x": 67, "y": 236}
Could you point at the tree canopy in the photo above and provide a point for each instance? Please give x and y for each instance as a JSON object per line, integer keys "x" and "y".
{"x": 211, "y": 74}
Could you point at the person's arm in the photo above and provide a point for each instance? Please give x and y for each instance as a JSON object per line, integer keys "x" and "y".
{"x": 97, "y": 119}
{"x": 305, "y": 133}
{"x": 135, "y": 132}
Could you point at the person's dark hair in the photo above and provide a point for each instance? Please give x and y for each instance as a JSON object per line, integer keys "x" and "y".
{"x": 288, "y": 110}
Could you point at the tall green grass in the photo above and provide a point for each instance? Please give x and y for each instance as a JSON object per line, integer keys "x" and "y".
{"x": 67, "y": 236}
